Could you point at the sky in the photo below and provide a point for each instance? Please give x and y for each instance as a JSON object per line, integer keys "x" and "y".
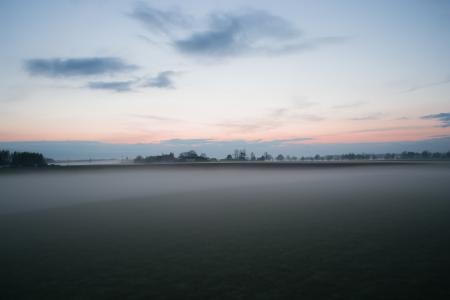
{"x": 236, "y": 73}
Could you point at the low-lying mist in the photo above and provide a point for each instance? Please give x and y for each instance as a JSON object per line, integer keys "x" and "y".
{"x": 24, "y": 191}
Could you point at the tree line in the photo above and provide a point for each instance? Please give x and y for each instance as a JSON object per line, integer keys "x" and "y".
{"x": 189, "y": 156}
{"x": 21, "y": 159}
{"x": 241, "y": 155}
{"x": 405, "y": 155}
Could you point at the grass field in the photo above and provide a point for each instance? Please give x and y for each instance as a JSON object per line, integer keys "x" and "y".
{"x": 365, "y": 231}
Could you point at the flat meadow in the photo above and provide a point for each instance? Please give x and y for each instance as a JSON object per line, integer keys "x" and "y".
{"x": 226, "y": 231}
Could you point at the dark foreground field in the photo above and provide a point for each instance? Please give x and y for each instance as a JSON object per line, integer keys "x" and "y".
{"x": 346, "y": 232}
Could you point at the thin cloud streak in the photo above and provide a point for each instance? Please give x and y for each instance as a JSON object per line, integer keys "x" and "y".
{"x": 444, "y": 118}
{"x": 155, "y": 118}
{"x": 70, "y": 67}
{"x": 426, "y": 85}
{"x": 349, "y": 105}
{"x": 370, "y": 117}
{"x": 116, "y": 86}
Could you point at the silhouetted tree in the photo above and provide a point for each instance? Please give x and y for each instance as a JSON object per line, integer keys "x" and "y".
{"x": 389, "y": 156}
{"x": 426, "y": 154}
{"x": 27, "y": 159}
{"x": 242, "y": 155}
{"x": 280, "y": 157}
{"x": 189, "y": 155}
{"x": 236, "y": 154}
{"x": 5, "y": 158}
{"x": 437, "y": 155}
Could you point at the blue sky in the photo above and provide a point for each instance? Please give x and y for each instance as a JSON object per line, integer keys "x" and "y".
{"x": 312, "y": 72}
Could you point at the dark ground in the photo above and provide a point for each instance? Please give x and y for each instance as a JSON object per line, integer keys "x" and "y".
{"x": 382, "y": 235}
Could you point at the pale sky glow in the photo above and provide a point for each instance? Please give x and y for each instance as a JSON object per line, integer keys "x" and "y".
{"x": 144, "y": 72}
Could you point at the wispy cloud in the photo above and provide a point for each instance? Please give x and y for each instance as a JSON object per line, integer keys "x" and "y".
{"x": 303, "y": 103}
{"x": 163, "y": 80}
{"x": 307, "y": 117}
{"x": 187, "y": 142}
{"x": 236, "y": 33}
{"x": 247, "y": 32}
{"x": 373, "y": 116}
{"x": 237, "y": 143}
{"x": 308, "y": 44}
{"x": 349, "y": 105}
{"x": 228, "y": 34}
{"x": 155, "y": 118}
{"x": 292, "y": 140}
{"x": 69, "y": 67}
{"x": 116, "y": 86}
{"x": 272, "y": 119}
{"x": 294, "y": 113}
{"x": 444, "y": 118}
{"x": 79, "y": 67}
{"x": 248, "y": 126}
{"x": 426, "y": 85}
{"x": 160, "y": 21}
{"x": 384, "y": 129}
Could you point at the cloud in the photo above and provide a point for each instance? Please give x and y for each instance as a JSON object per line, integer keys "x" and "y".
{"x": 249, "y": 126}
{"x": 427, "y": 85}
{"x": 186, "y": 142}
{"x": 384, "y": 129}
{"x": 308, "y": 45}
{"x": 279, "y": 112}
{"x": 237, "y": 33}
{"x": 163, "y": 80}
{"x": 160, "y": 21}
{"x": 116, "y": 86}
{"x": 291, "y": 141}
{"x": 292, "y": 113}
{"x": 236, "y": 143}
{"x": 155, "y": 118}
{"x": 444, "y": 118}
{"x": 349, "y": 105}
{"x": 273, "y": 119}
{"x": 227, "y": 34}
{"x": 248, "y": 32}
{"x": 307, "y": 117}
{"x": 69, "y": 67}
{"x": 374, "y": 116}
{"x": 303, "y": 103}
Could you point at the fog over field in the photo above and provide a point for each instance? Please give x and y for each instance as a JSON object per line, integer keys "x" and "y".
{"x": 344, "y": 231}
{"x": 38, "y": 190}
